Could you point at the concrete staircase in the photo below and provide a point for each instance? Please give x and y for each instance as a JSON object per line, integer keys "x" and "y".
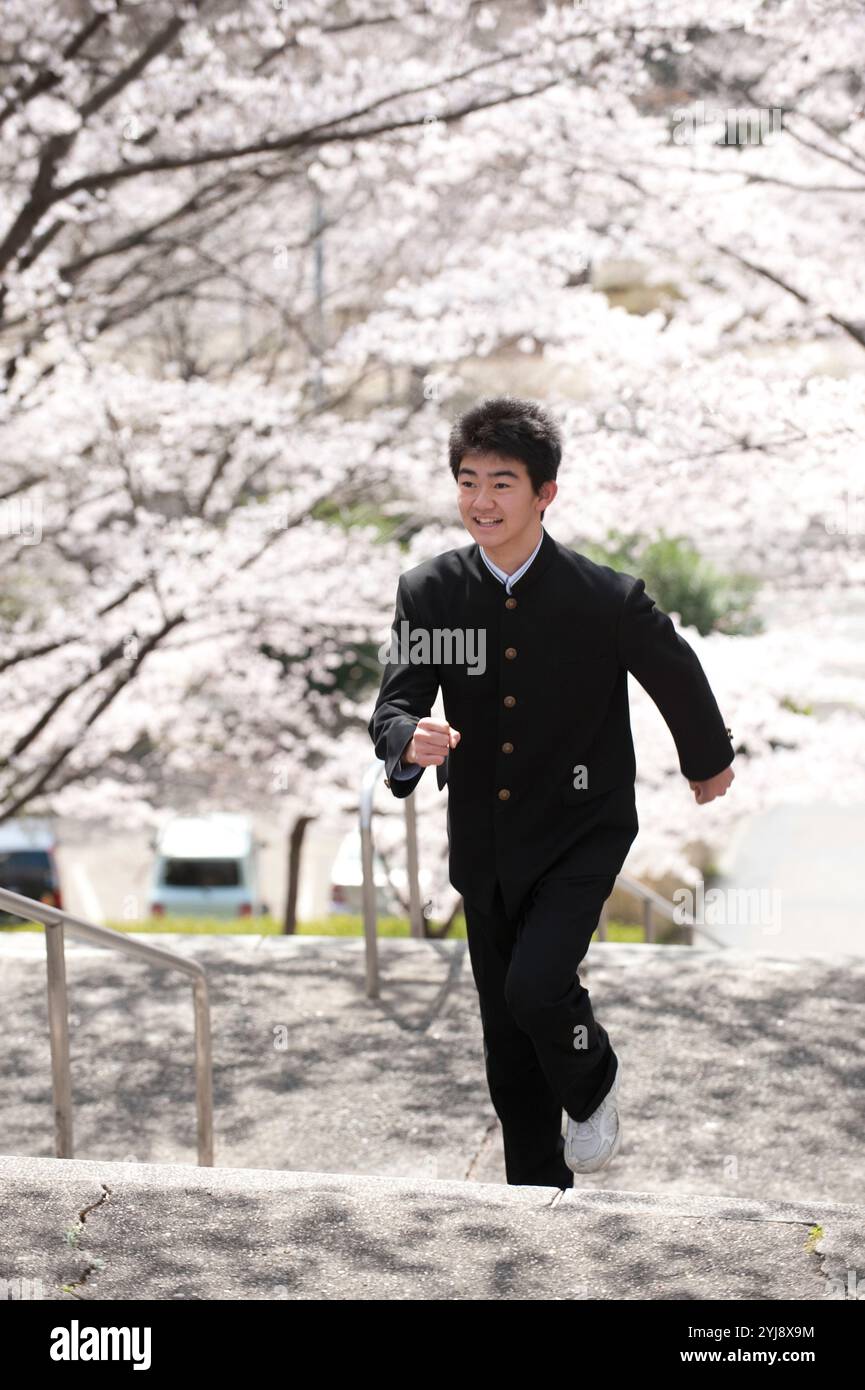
{"x": 358, "y": 1155}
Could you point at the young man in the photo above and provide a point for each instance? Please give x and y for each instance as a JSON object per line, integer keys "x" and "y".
{"x": 531, "y": 644}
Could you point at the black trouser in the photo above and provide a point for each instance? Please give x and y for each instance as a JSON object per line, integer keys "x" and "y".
{"x": 543, "y": 1048}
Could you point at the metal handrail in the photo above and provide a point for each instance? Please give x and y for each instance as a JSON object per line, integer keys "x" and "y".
{"x": 55, "y": 921}
{"x": 652, "y": 901}
{"x": 370, "y": 909}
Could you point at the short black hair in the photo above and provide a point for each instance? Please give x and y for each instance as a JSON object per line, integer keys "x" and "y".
{"x": 512, "y": 428}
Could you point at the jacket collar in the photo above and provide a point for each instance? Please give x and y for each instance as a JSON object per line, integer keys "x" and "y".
{"x": 541, "y": 562}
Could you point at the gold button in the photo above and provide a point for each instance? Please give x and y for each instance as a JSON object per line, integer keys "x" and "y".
{"x": 510, "y": 653}
{"x": 510, "y": 701}
{"x": 504, "y": 794}
{"x": 510, "y": 603}
{"x": 507, "y": 748}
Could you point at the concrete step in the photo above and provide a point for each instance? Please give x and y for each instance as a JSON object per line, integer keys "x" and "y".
{"x": 742, "y": 1075}
{"x": 97, "y": 1231}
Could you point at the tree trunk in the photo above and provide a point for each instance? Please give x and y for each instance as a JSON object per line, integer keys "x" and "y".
{"x": 295, "y": 847}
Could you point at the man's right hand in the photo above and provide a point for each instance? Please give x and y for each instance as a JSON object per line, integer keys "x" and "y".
{"x": 430, "y": 744}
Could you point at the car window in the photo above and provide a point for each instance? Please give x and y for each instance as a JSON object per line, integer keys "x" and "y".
{"x": 26, "y": 871}
{"x": 202, "y": 873}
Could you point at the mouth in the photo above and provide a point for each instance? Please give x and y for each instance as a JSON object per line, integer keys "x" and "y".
{"x": 487, "y": 522}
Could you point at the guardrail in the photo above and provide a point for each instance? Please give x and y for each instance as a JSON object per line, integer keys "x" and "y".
{"x": 55, "y": 923}
{"x": 652, "y": 902}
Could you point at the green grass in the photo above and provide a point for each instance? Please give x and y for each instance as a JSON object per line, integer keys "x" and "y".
{"x": 191, "y": 926}
{"x": 337, "y": 925}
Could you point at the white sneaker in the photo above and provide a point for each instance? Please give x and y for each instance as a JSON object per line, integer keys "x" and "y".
{"x": 591, "y": 1143}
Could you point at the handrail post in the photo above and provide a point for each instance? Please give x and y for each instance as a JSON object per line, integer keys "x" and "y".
{"x": 58, "y": 1031}
{"x": 370, "y": 906}
{"x": 602, "y": 923}
{"x": 417, "y": 926}
{"x": 203, "y": 1071}
{"x": 416, "y": 918}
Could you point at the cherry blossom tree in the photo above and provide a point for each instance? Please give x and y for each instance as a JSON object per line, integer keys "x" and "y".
{"x": 252, "y": 260}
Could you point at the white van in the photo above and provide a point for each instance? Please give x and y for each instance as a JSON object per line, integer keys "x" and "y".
{"x": 346, "y": 881}
{"x": 206, "y": 866}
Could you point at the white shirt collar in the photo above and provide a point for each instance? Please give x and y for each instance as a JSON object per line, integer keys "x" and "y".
{"x": 510, "y": 579}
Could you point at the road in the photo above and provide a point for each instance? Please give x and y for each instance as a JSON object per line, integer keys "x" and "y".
{"x": 805, "y": 863}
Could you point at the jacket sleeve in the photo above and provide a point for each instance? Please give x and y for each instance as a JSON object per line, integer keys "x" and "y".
{"x": 406, "y": 695}
{"x": 669, "y": 671}
{"x": 407, "y": 773}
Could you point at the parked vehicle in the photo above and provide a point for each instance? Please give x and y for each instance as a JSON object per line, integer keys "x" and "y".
{"x": 28, "y": 864}
{"x": 346, "y": 881}
{"x": 206, "y": 866}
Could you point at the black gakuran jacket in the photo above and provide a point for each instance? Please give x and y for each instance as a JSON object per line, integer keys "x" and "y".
{"x": 542, "y": 779}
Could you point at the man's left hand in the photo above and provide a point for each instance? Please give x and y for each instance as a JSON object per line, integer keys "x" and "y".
{"x": 714, "y": 786}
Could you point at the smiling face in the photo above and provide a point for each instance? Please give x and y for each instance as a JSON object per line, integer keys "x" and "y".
{"x": 498, "y": 505}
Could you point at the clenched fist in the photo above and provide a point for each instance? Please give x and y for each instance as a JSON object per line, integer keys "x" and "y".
{"x": 430, "y": 744}
{"x": 712, "y": 787}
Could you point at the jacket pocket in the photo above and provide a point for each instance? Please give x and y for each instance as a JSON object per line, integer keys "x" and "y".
{"x": 592, "y": 775}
